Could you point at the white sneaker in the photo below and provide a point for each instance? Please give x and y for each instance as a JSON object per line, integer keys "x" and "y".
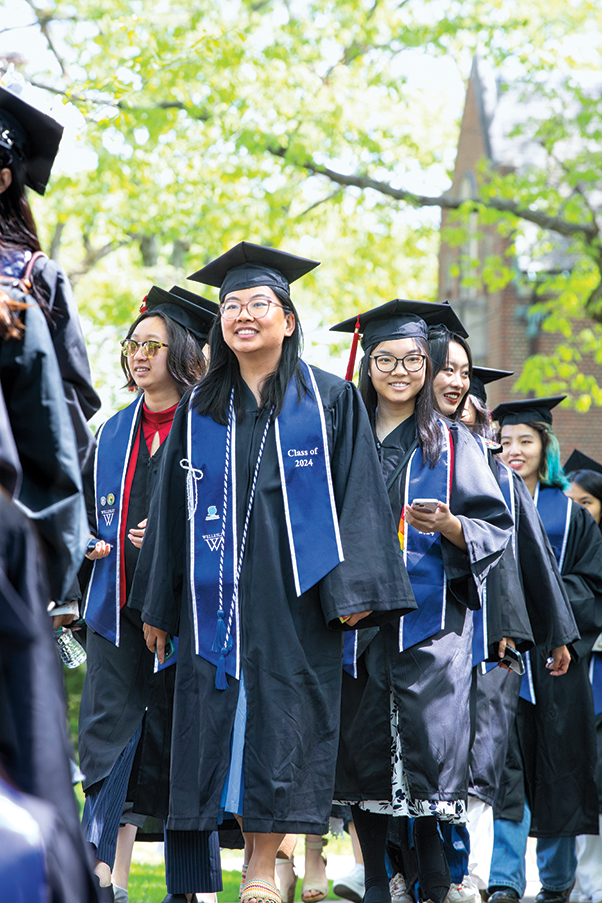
{"x": 399, "y": 890}
{"x": 467, "y": 892}
{"x": 352, "y": 886}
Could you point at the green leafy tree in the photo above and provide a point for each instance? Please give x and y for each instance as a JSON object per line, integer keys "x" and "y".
{"x": 298, "y": 124}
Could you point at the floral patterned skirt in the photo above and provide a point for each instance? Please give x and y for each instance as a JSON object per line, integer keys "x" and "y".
{"x": 401, "y": 802}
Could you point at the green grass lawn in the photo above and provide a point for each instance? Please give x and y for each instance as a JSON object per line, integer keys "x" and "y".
{"x": 147, "y": 885}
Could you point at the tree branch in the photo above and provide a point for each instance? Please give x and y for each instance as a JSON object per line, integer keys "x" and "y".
{"x": 92, "y": 256}
{"x": 44, "y": 21}
{"x": 445, "y": 201}
{"x": 328, "y": 197}
{"x": 201, "y": 115}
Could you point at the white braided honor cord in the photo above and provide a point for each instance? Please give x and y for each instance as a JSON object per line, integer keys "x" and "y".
{"x": 243, "y": 540}
{"x": 193, "y": 475}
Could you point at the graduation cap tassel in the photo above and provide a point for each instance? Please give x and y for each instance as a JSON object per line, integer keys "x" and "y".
{"x": 353, "y": 352}
{"x": 221, "y": 681}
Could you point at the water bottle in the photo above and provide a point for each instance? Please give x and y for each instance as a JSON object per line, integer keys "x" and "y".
{"x": 72, "y": 654}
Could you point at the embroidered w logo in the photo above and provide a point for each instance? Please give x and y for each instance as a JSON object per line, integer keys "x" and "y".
{"x": 108, "y": 516}
{"x": 214, "y": 541}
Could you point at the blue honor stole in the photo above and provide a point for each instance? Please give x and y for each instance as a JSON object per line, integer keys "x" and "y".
{"x": 595, "y": 677}
{"x": 309, "y": 507}
{"x": 115, "y": 440}
{"x": 422, "y": 551}
{"x": 554, "y": 508}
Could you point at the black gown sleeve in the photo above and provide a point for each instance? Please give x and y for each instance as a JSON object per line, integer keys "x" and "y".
{"x": 477, "y": 501}
{"x": 158, "y": 582}
{"x": 372, "y": 577}
{"x": 51, "y": 488}
{"x": 72, "y": 356}
{"x": 582, "y": 577}
{"x": 552, "y": 619}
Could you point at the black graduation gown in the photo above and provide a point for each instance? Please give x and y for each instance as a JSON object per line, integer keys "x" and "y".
{"x": 34, "y": 747}
{"x": 121, "y": 688}
{"x": 542, "y": 591}
{"x": 291, "y": 657}
{"x": 71, "y": 354}
{"x": 431, "y": 681}
{"x": 51, "y": 488}
{"x": 552, "y": 754}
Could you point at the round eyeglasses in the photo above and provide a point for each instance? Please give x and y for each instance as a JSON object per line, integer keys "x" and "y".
{"x": 129, "y": 347}
{"x": 231, "y": 310}
{"x": 386, "y": 363}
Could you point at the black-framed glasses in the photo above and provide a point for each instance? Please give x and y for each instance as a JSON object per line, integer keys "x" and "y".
{"x": 150, "y": 348}
{"x": 231, "y": 310}
{"x": 386, "y": 363}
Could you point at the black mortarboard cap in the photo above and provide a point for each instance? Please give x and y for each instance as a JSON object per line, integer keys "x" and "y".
{"x": 192, "y": 311}
{"x": 398, "y": 319}
{"x": 526, "y": 410}
{"x": 247, "y": 265}
{"x": 401, "y": 319}
{"x": 37, "y": 136}
{"x": 482, "y": 376}
{"x": 578, "y": 461}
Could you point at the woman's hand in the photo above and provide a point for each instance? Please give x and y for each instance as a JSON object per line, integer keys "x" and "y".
{"x": 501, "y": 650}
{"x": 136, "y": 536}
{"x": 100, "y": 550}
{"x": 561, "y": 659}
{"x": 441, "y": 521}
{"x": 62, "y": 621}
{"x": 155, "y": 640}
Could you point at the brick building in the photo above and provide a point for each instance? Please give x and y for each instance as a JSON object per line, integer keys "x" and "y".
{"x": 503, "y": 329}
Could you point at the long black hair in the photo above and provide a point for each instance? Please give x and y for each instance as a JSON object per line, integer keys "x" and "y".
{"x": 440, "y": 339}
{"x": 223, "y": 374}
{"x": 185, "y": 359}
{"x": 482, "y": 425}
{"x": 17, "y": 226}
{"x": 590, "y": 481}
{"x": 429, "y": 434}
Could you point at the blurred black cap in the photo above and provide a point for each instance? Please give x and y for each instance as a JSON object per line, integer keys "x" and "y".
{"x": 32, "y": 135}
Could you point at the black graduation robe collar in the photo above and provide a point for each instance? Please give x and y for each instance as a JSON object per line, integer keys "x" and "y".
{"x": 402, "y": 436}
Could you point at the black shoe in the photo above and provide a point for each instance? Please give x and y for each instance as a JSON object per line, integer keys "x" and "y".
{"x": 552, "y": 896}
{"x": 105, "y": 894}
{"x": 503, "y": 895}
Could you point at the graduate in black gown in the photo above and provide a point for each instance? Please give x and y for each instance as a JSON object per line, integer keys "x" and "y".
{"x": 29, "y": 141}
{"x": 542, "y": 592}
{"x": 126, "y": 707}
{"x": 36, "y": 794}
{"x": 585, "y": 488}
{"x": 49, "y": 489}
{"x": 549, "y": 787}
{"x": 411, "y": 686}
{"x": 270, "y": 475}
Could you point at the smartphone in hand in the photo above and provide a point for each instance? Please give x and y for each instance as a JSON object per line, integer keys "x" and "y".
{"x": 514, "y": 660}
{"x": 427, "y": 505}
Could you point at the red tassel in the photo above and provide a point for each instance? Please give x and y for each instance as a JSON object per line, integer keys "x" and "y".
{"x": 353, "y": 352}
{"x": 143, "y": 305}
